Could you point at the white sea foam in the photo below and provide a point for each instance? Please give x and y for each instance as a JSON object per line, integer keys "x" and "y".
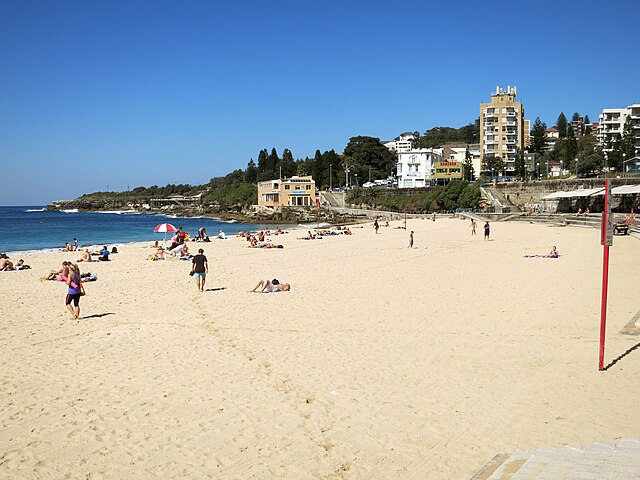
{"x": 71, "y": 210}
{"x": 35, "y": 210}
{"x": 121, "y": 212}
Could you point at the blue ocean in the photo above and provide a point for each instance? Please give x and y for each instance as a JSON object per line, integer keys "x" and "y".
{"x": 32, "y": 228}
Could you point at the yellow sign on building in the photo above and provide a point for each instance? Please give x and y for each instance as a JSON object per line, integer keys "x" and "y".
{"x": 447, "y": 170}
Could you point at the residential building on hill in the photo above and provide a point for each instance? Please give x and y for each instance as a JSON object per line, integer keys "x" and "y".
{"x": 287, "y": 192}
{"x": 404, "y": 143}
{"x": 578, "y": 127}
{"x": 611, "y": 125}
{"x": 551, "y": 136}
{"x": 502, "y": 128}
{"x": 415, "y": 167}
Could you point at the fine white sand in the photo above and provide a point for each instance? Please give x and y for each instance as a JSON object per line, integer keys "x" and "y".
{"x": 382, "y": 362}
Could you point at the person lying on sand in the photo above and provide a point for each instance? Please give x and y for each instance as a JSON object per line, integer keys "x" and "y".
{"x": 552, "y": 254}
{"x": 21, "y": 265}
{"x": 273, "y": 286}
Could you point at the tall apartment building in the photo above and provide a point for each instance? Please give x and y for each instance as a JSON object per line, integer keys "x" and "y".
{"x": 611, "y": 125}
{"x": 502, "y": 128}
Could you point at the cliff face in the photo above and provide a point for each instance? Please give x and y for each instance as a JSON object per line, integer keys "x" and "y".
{"x": 240, "y": 213}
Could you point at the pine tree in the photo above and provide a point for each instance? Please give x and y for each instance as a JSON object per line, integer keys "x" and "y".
{"x": 572, "y": 145}
{"x": 289, "y": 167}
{"x": 273, "y": 162}
{"x": 561, "y": 125}
{"x": 262, "y": 165}
{"x": 251, "y": 173}
{"x": 520, "y": 168}
{"x": 537, "y": 134}
{"x": 627, "y": 142}
{"x": 467, "y": 167}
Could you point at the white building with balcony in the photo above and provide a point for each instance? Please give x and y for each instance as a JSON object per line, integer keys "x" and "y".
{"x": 414, "y": 167}
{"x": 611, "y": 125}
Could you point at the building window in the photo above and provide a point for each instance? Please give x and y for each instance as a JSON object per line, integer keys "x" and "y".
{"x": 308, "y": 187}
{"x": 287, "y": 187}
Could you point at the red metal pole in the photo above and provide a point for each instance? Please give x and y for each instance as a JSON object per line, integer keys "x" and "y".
{"x": 603, "y": 310}
{"x": 605, "y": 274}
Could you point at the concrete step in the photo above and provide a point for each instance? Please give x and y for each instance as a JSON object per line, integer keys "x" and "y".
{"x": 598, "y": 461}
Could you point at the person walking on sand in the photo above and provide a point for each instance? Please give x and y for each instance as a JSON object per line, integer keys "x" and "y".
{"x": 411, "y": 239}
{"x": 200, "y": 268}
{"x": 487, "y": 230}
{"x": 376, "y": 225}
{"x": 473, "y": 227}
{"x": 74, "y": 292}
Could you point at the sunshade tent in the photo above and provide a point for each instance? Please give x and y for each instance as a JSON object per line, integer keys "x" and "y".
{"x": 624, "y": 190}
{"x": 165, "y": 227}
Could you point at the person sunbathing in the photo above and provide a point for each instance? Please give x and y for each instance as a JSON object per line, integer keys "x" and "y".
{"x": 6, "y": 265}
{"x": 553, "y": 253}
{"x": 21, "y": 265}
{"x": 273, "y": 286}
{"x": 86, "y": 256}
{"x": 62, "y": 272}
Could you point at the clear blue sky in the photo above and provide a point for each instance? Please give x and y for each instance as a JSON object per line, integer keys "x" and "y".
{"x": 97, "y": 93}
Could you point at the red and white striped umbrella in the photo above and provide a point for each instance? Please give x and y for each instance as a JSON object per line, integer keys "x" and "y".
{"x": 165, "y": 227}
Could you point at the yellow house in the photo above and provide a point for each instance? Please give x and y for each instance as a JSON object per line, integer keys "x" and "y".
{"x": 287, "y": 192}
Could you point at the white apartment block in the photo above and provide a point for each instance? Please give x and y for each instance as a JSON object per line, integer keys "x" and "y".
{"x": 404, "y": 143}
{"x": 611, "y": 125}
{"x": 414, "y": 167}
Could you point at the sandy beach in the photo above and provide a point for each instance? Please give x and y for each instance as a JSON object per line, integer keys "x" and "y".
{"x": 382, "y": 362}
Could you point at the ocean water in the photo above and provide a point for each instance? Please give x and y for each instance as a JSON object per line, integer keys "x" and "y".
{"x": 31, "y": 228}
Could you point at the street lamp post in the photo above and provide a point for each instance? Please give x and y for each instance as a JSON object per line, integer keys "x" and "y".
{"x": 576, "y": 167}
{"x": 356, "y": 180}
{"x": 624, "y": 160}
{"x": 330, "y": 179}
{"x": 606, "y": 163}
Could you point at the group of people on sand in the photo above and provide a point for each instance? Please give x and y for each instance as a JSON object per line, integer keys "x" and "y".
{"x": 71, "y": 247}
{"x": 6, "y": 265}
{"x": 203, "y": 237}
{"x": 102, "y": 254}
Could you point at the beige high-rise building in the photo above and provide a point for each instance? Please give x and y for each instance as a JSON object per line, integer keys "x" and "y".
{"x": 502, "y": 128}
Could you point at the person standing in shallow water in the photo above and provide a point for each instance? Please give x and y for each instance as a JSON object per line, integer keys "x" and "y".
{"x": 487, "y": 230}
{"x": 200, "y": 268}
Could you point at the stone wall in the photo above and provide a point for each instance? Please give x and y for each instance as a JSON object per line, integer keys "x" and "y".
{"x": 523, "y": 193}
